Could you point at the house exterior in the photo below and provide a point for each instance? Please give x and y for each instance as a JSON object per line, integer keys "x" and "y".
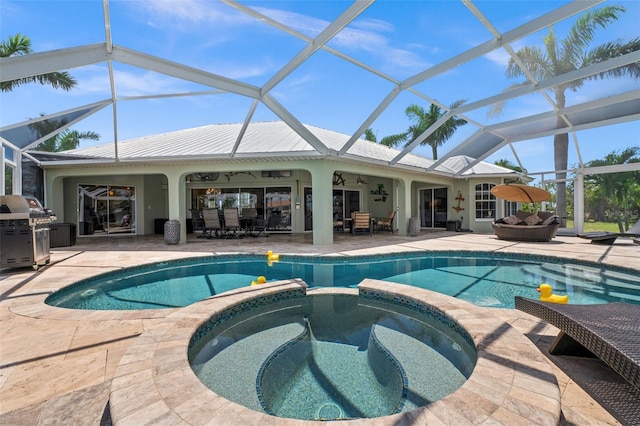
{"x": 132, "y": 187}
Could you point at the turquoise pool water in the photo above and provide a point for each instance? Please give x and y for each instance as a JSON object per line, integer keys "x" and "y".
{"x": 483, "y": 279}
{"x": 332, "y": 357}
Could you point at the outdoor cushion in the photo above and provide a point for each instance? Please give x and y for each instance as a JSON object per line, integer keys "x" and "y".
{"x": 523, "y": 215}
{"x": 551, "y": 219}
{"x": 512, "y": 220}
{"x": 533, "y": 220}
{"x": 545, "y": 215}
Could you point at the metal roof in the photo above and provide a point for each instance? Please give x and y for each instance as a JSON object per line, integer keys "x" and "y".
{"x": 264, "y": 140}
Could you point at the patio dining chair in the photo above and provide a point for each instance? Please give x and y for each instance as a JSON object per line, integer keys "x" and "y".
{"x": 386, "y": 224}
{"x": 212, "y": 226}
{"x": 362, "y": 223}
{"x": 198, "y": 222}
{"x": 251, "y": 223}
{"x": 232, "y": 225}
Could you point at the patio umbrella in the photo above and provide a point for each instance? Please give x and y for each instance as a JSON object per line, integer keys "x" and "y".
{"x": 520, "y": 193}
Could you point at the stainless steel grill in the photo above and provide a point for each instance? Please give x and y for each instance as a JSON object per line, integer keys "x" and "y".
{"x": 24, "y": 232}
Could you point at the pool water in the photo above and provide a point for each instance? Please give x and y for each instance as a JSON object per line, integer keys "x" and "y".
{"x": 332, "y": 357}
{"x": 483, "y": 279}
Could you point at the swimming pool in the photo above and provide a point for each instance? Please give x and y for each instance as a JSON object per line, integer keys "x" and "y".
{"x": 481, "y": 278}
{"x": 332, "y": 356}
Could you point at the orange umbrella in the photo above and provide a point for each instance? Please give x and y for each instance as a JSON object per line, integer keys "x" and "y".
{"x": 520, "y": 193}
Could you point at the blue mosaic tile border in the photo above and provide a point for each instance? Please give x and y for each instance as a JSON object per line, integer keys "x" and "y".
{"x": 149, "y": 267}
{"x": 282, "y": 348}
{"x": 98, "y": 279}
{"x": 399, "y": 367}
{"x": 420, "y": 307}
{"x": 235, "y": 310}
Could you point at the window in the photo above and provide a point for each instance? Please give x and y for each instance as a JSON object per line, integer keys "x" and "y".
{"x": 485, "y": 201}
{"x": 510, "y": 208}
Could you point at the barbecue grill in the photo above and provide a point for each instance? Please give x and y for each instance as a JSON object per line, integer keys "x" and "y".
{"x": 24, "y": 232}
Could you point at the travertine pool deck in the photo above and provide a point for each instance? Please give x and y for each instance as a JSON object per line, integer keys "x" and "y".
{"x": 57, "y": 365}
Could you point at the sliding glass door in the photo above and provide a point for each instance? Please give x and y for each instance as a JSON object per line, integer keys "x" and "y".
{"x": 433, "y": 208}
{"x": 106, "y": 210}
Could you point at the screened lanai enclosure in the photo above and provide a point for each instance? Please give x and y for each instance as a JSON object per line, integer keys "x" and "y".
{"x": 549, "y": 89}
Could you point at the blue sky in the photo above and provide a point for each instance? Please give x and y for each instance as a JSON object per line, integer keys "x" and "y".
{"x": 399, "y": 38}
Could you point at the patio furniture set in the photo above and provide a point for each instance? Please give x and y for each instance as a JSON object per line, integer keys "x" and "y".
{"x": 227, "y": 223}
{"x": 363, "y": 223}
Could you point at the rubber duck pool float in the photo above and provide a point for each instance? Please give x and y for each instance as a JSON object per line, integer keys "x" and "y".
{"x": 547, "y": 296}
{"x": 260, "y": 280}
{"x": 272, "y": 256}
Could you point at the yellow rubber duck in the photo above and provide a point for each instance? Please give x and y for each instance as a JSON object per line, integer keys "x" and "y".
{"x": 546, "y": 296}
{"x": 272, "y": 256}
{"x": 260, "y": 280}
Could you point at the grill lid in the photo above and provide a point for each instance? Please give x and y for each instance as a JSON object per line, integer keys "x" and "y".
{"x": 21, "y": 207}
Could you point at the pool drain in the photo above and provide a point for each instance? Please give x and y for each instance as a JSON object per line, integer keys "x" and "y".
{"x": 329, "y": 411}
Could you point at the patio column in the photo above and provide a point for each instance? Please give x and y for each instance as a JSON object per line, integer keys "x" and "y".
{"x": 175, "y": 198}
{"x": 578, "y": 203}
{"x": 403, "y": 206}
{"x": 321, "y": 185}
{"x": 53, "y": 199}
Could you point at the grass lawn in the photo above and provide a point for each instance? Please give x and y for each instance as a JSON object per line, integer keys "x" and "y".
{"x": 597, "y": 226}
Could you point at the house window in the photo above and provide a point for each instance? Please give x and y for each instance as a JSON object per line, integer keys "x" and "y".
{"x": 485, "y": 201}
{"x": 510, "y": 208}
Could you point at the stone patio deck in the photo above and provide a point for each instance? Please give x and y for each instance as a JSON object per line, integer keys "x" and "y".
{"x": 57, "y": 365}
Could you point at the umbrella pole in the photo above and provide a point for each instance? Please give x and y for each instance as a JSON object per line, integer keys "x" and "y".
{"x": 527, "y": 194}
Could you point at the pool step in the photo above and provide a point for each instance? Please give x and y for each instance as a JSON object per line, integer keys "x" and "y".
{"x": 430, "y": 375}
{"x": 246, "y": 356}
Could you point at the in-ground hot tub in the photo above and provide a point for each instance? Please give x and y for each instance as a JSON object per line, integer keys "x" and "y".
{"x": 332, "y": 356}
{"x": 511, "y": 382}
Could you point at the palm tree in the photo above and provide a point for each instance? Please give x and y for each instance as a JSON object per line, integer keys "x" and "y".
{"x": 562, "y": 56}
{"x": 423, "y": 119}
{"x": 503, "y": 162}
{"x": 617, "y": 193}
{"x": 369, "y": 135}
{"x": 63, "y": 141}
{"x": 21, "y": 45}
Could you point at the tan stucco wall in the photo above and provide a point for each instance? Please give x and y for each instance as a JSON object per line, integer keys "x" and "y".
{"x": 161, "y": 190}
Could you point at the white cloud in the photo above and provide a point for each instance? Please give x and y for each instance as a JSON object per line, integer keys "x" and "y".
{"x": 499, "y": 57}
{"x": 362, "y": 34}
{"x": 255, "y": 68}
{"x": 95, "y": 80}
{"x": 184, "y": 14}
{"x": 376, "y": 25}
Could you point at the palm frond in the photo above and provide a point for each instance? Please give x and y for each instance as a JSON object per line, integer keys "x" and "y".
{"x": 393, "y": 140}
{"x": 16, "y": 45}
{"x": 583, "y": 30}
{"x": 370, "y": 135}
{"x": 611, "y": 50}
{"x": 534, "y": 59}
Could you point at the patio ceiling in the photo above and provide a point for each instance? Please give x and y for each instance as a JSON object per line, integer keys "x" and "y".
{"x": 488, "y": 137}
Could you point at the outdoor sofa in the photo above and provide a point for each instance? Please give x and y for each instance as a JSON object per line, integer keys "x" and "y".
{"x": 523, "y": 226}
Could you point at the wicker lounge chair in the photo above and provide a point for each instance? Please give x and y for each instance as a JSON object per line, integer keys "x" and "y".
{"x": 609, "y": 331}
{"x": 524, "y": 226}
{"x": 608, "y": 238}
